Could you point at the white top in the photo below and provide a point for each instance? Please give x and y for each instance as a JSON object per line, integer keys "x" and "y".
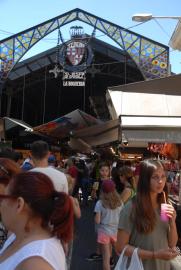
{"x": 49, "y": 249}
{"x": 58, "y": 178}
{"x": 109, "y": 218}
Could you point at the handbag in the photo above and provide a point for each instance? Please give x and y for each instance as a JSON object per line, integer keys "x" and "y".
{"x": 135, "y": 263}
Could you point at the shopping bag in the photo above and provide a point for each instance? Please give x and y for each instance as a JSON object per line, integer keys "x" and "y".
{"x": 135, "y": 263}
{"x": 176, "y": 263}
{"x": 122, "y": 261}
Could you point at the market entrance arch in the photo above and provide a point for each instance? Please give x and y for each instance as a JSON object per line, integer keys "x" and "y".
{"x": 151, "y": 57}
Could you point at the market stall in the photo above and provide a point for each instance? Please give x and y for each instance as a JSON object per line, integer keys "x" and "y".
{"x": 152, "y": 118}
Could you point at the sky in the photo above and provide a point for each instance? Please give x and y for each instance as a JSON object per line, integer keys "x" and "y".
{"x": 18, "y": 15}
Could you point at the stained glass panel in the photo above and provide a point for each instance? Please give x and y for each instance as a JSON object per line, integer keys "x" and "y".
{"x": 150, "y": 57}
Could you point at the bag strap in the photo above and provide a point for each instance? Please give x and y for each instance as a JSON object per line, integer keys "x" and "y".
{"x": 118, "y": 265}
{"x": 134, "y": 258}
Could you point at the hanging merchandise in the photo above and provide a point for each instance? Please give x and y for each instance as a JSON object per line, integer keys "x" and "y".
{"x": 170, "y": 150}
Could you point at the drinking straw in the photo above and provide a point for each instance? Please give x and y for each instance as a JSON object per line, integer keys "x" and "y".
{"x": 164, "y": 197}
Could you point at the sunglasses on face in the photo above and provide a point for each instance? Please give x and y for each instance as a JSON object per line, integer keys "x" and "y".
{"x": 6, "y": 196}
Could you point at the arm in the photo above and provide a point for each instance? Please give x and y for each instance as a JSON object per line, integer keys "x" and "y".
{"x": 94, "y": 189}
{"x": 172, "y": 233}
{"x": 76, "y": 207}
{"x": 123, "y": 239}
{"x": 97, "y": 218}
{"x": 37, "y": 263}
{"x": 125, "y": 195}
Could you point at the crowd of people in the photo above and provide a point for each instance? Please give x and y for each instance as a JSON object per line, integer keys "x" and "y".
{"x": 40, "y": 200}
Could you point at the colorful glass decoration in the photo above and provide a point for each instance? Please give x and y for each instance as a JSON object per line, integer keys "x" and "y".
{"x": 151, "y": 57}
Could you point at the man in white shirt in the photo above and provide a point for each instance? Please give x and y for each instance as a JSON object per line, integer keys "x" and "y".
{"x": 40, "y": 153}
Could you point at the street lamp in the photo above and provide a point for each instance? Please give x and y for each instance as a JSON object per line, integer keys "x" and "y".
{"x": 144, "y": 17}
{"x": 175, "y": 41}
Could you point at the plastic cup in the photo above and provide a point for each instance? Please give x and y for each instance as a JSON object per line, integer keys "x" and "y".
{"x": 164, "y": 207}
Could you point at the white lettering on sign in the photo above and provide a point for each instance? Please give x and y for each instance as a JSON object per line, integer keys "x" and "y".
{"x": 74, "y": 75}
{"x": 76, "y": 44}
{"x": 73, "y": 83}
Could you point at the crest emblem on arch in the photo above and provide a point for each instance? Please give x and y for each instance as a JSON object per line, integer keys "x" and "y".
{"x": 75, "y": 52}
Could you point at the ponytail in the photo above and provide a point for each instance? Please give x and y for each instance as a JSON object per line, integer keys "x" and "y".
{"x": 62, "y": 218}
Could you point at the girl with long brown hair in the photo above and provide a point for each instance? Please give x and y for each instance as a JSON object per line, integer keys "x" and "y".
{"x": 140, "y": 224}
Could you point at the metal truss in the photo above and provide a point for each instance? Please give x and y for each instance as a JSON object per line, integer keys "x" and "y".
{"x": 152, "y": 58}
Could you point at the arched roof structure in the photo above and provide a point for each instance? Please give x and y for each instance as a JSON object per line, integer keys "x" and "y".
{"x": 151, "y": 57}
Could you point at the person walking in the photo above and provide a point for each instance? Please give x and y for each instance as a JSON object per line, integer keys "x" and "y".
{"x": 40, "y": 218}
{"x": 104, "y": 174}
{"x": 140, "y": 224}
{"x": 107, "y": 211}
{"x": 40, "y": 153}
{"x": 128, "y": 183}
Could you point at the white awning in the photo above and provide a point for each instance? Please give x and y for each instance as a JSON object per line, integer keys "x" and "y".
{"x": 151, "y": 129}
{"x": 147, "y": 117}
{"x": 129, "y": 103}
{"x": 11, "y": 123}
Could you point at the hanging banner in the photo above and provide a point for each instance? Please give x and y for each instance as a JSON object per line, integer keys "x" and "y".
{"x": 75, "y": 56}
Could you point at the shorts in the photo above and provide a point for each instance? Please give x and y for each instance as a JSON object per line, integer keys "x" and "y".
{"x": 103, "y": 238}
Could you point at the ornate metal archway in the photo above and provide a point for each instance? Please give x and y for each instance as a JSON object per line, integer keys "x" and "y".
{"x": 152, "y": 58}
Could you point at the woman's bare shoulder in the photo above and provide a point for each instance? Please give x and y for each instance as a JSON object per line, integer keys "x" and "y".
{"x": 35, "y": 262}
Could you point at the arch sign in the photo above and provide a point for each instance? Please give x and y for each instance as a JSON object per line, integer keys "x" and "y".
{"x": 75, "y": 56}
{"x": 151, "y": 57}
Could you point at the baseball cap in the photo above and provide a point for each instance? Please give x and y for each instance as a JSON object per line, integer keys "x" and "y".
{"x": 51, "y": 158}
{"x": 108, "y": 186}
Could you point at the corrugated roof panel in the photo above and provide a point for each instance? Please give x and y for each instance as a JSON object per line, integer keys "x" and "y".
{"x": 43, "y": 61}
{"x": 34, "y": 66}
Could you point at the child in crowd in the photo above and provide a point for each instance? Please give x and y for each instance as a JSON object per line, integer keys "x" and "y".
{"x": 107, "y": 211}
{"x": 104, "y": 174}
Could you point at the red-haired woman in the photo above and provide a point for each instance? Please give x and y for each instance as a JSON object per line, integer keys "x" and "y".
{"x": 140, "y": 224}
{"x": 8, "y": 168}
{"x": 40, "y": 218}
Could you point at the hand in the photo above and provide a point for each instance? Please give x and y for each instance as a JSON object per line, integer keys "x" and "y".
{"x": 171, "y": 213}
{"x": 93, "y": 194}
{"x": 166, "y": 254}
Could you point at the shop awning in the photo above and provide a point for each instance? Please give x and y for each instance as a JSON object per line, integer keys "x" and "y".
{"x": 10, "y": 123}
{"x": 63, "y": 127}
{"x": 151, "y": 129}
{"x": 100, "y": 134}
{"x": 168, "y": 85}
{"x": 146, "y": 117}
{"x": 129, "y": 103}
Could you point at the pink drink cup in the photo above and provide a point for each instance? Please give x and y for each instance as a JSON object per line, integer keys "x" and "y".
{"x": 164, "y": 216}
